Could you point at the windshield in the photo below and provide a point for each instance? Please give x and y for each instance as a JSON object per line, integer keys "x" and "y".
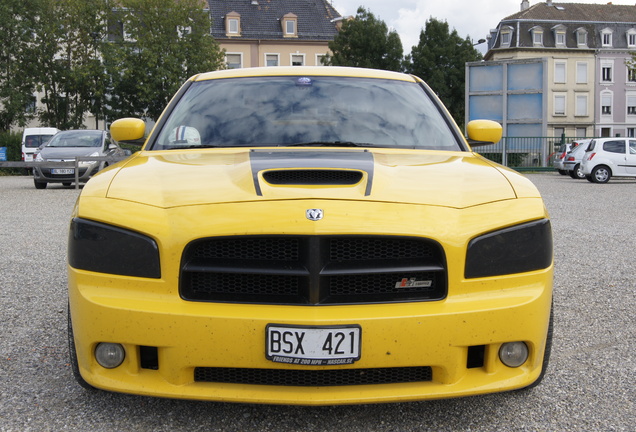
{"x": 76, "y": 139}
{"x": 314, "y": 111}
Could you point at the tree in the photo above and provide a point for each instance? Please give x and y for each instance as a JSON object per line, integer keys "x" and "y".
{"x": 440, "y": 60}
{"x": 159, "y": 44}
{"x": 365, "y": 41}
{"x": 71, "y": 76}
{"x": 17, "y": 60}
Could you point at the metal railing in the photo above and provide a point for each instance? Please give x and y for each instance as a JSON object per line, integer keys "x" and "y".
{"x": 67, "y": 164}
{"x": 525, "y": 153}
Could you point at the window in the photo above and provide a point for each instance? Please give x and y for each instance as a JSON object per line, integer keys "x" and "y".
{"x": 581, "y": 72}
{"x": 537, "y": 36}
{"x": 559, "y": 35}
{"x": 581, "y": 104}
{"x": 271, "y": 60}
{"x": 631, "y": 75}
{"x": 559, "y": 104}
{"x": 298, "y": 60}
{"x": 632, "y": 145}
{"x": 614, "y": 146}
{"x": 289, "y": 23}
{"x": 233, "y": 24}
{"x": 319, "y": 59}
{"x": 631, "y": 104}
{"x": 31, "y": 104}
{"x": 631, "y": 132}
{"x": 559, "y": 72}
{"x": 290, "y": 27}
{"x": 581, "y": 38}
{"x": 631, "y": 38}
{"x": 506, "y": 36}
{"x": 581, "y": 132}
{"x": 606, "y": 103}
{"x": 234, "y": 61}
{"x": 606, "y": 72}
{"x": 183, "y": 31}
{"x": 606, "y": 38}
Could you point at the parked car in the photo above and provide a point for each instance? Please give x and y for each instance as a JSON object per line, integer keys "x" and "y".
{"x": 559, "y": 158}
{"x": 572, "y": 160}
{"x": 609, "y": 157}
{"x": 32, "y": 138}
{"x": 65, "y": 147}
{"x": 309, "y": 235}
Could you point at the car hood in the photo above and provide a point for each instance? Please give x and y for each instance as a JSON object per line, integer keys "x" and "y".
{"x": 171, "y": 179}
{"x": 67, "y": 152}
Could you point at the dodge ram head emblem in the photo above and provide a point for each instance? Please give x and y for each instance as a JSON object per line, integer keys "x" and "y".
{"x": 314, "y": 214}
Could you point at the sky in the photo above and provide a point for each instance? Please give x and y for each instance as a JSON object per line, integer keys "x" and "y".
{"x": 472, "y": 18}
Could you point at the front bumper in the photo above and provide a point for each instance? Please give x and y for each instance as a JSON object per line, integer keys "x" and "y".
{"x": 191, "y": 335}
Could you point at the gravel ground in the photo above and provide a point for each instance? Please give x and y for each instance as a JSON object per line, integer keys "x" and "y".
{"x": 590, "y": 384}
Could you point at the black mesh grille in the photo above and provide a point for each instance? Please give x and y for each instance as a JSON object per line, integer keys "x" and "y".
{"x": 313, "y": 269}
{"x": 313, "y": 378}
{"x": 312, "y": 177}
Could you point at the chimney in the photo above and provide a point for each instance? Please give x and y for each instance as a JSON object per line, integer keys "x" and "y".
{"x": 525, "y": 4}
{"x": 549, "y": 2}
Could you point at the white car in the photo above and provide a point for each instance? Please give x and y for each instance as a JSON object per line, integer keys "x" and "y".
{"x": 32, "y": 138}
{"x": 609, "y": 157}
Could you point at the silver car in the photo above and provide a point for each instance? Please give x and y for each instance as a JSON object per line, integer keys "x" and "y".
{"x": 572, "y": 160}
{"x": 65, "y": 147}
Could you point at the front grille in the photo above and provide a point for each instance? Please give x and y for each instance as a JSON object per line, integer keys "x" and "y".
{"x": 313, "y": 378}
{"x": 312, "y": 270}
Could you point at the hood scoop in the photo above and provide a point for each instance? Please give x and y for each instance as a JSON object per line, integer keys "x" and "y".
{"x": 311, "y": 168}
{"x": 312, "y": 177}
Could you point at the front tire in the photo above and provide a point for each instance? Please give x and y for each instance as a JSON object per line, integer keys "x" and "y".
{"x": 39, "y": 185}
{"x": 601, "y": 174}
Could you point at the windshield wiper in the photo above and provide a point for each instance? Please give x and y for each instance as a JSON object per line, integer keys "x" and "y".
{"x": 329, "y": 144}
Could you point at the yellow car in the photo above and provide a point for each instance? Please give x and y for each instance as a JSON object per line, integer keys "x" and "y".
{"x": 309, "y": 236}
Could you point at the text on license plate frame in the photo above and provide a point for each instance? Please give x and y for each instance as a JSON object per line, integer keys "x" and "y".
{"x": 313, "y": 345}
{"x": 62, "y": 170}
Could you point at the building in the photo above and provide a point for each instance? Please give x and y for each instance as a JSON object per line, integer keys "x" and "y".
{"x": 558, "y": 68}
{"x": 274, "y": 32}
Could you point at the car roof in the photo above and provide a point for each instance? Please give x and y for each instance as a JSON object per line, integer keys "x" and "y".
{"x": 335, "y": 71}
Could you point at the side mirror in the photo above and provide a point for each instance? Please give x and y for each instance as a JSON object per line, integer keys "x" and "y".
{"x": 128, "y": 131}
{"x": 483, "y": 132}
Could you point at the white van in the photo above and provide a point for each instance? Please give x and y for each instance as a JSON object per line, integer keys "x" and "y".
{"x": 32, "y": 138}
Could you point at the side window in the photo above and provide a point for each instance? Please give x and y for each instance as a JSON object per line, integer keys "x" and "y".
{"x": 614, "y": 146}
{"x": 632, "y": 147}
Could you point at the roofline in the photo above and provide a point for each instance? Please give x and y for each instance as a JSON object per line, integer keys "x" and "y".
{"x": 564, "y": 21}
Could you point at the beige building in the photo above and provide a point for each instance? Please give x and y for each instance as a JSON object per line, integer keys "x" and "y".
{"x": 274, "y": 32}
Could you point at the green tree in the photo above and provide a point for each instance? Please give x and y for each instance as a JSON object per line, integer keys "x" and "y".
{"x": 70, "y": 71}
{"x": 365, "y": 41}
{"x": 440, "y": 60}
{"x": 159, "y": 44}
{"x": 17, "y": 61}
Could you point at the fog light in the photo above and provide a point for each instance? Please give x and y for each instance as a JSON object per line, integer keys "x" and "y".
{"x": 109, "y": 355}
{"x": 513, "y": 354}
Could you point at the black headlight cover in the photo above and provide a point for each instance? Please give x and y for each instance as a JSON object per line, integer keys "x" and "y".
{"x": 103, "y": 248}
{"x": 518, "y": 249}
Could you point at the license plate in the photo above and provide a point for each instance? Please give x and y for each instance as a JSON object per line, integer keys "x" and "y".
{"x": 314, "y": 346}
{"x": 62, "y": 171}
